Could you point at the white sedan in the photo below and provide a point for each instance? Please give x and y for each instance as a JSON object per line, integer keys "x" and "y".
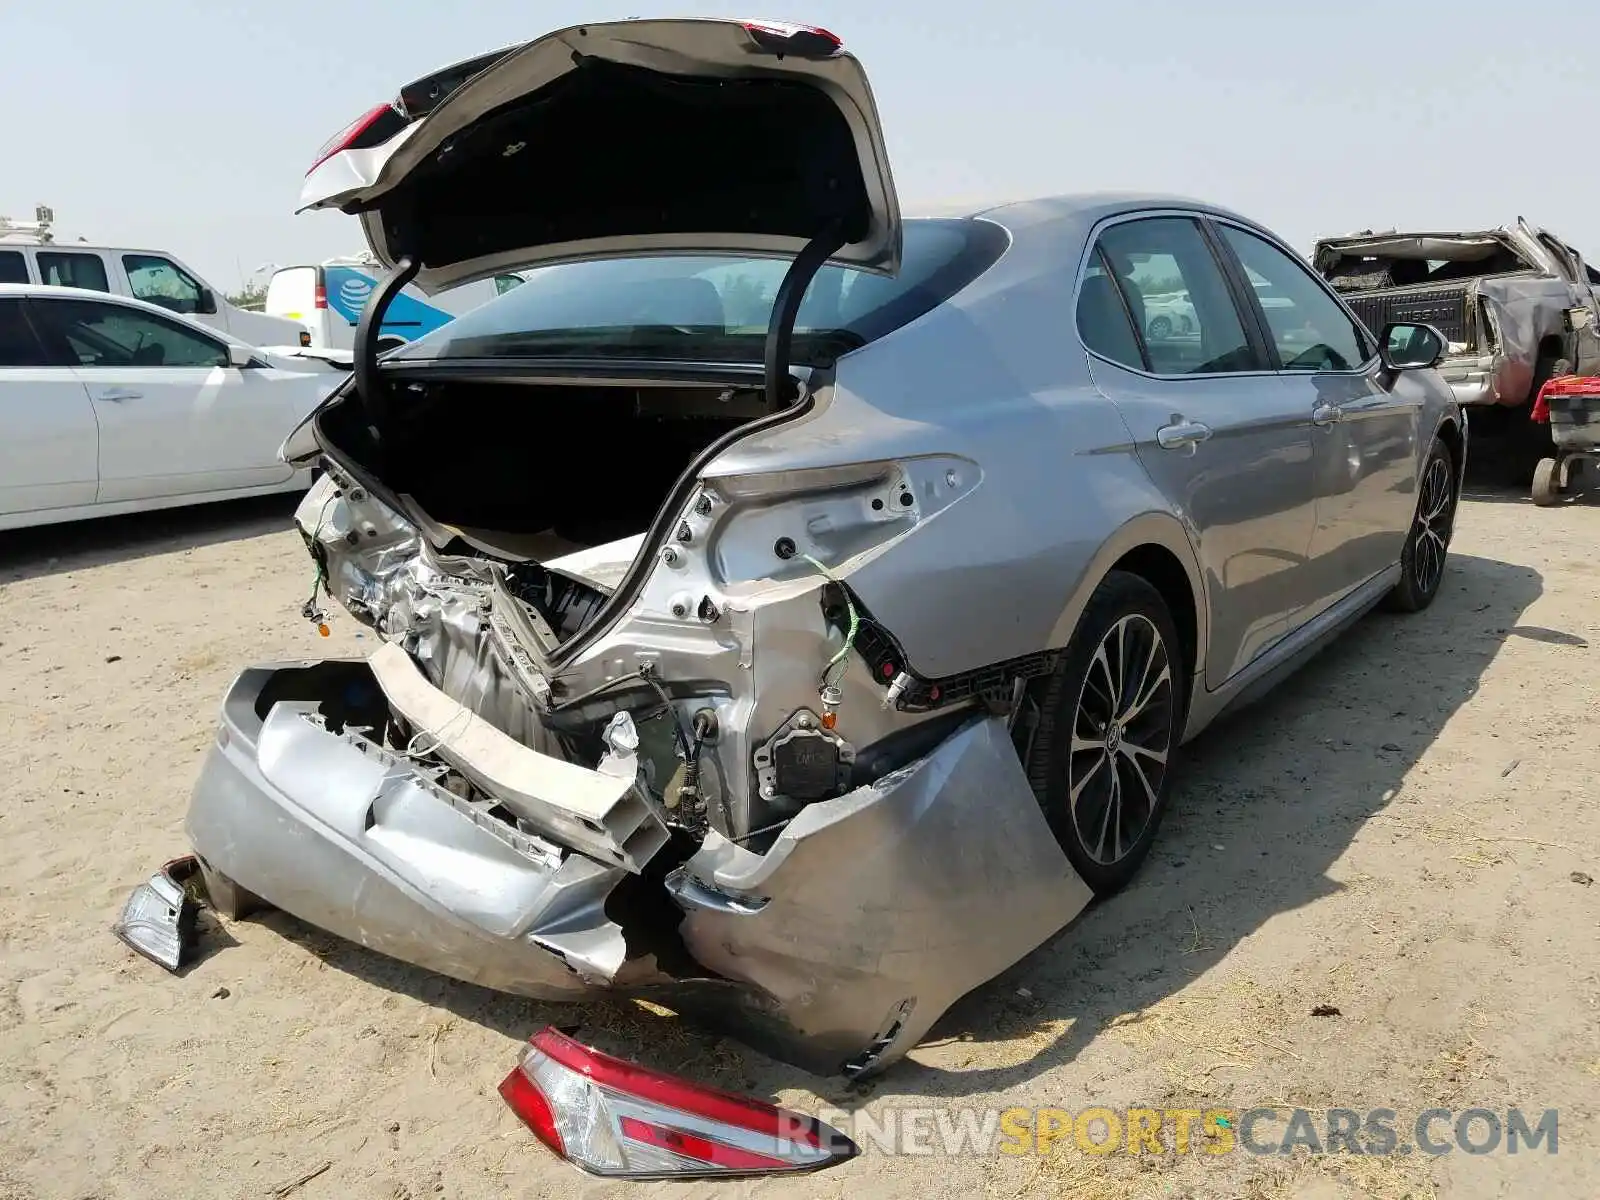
{"x": 111, "y": 405}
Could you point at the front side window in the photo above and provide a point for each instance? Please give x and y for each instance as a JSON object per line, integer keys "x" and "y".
{"x": 61, "y": 269}
{"x": 1311, "y": 332}
{"x": 112, "y": 335}
{"x": 19, "y": 345}
{"x": 504, "y": 283}
{"x": 157, "y": 280}
{"x": 13, "y": 267}
{"x": 1178, "y": 295}
{"x": 713, "y": 307}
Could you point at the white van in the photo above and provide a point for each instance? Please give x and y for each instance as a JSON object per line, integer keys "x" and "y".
{"x": 153, "y": 276}
{"x": 328, "y": 298}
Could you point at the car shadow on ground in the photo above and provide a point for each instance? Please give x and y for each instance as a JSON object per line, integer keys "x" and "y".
{"x": 73, "y": 545}
{"x": 1268, "y": 800}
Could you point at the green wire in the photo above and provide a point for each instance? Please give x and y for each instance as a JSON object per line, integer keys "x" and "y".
{"x": 855, "y": 622}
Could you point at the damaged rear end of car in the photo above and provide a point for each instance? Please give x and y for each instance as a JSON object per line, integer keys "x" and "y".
{"x": 630, "y": 726}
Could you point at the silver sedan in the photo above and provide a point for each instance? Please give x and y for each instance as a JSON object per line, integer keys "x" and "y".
{"x": 790, "y": 609}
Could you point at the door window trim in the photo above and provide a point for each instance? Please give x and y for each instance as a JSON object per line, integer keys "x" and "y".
{"x": 1239, "y": 279}
{"x": 55, "y": 343}
{"x": 58, "y": 250}
{"x": 180, "y": 272}
{"x": 1265, "y": 354}
{"x": 52, "y": 355}
{"x": 27, "y": 263}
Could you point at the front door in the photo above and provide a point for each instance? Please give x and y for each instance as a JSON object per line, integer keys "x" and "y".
{"x": 175, "y": 418}
{"x": 1366, "y": 440}
{"x": 1214, "y": 425}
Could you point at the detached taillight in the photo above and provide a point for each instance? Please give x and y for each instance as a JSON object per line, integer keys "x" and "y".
{"x": 614, "y": 1118}
{"x": 372, "y": 128}
{"x": 801, "y": 41}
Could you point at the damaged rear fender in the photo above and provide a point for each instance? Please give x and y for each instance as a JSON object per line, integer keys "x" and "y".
{"x": 873, "y": 912}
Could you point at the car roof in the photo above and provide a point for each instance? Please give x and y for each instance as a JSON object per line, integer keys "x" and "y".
{"x": 1094, "y": 206}
{"x": 48, "y": 290}
{"x": 81, "y": 247}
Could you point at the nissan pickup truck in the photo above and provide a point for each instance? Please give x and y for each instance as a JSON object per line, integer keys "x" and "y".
{"x": 1517, "y": 305}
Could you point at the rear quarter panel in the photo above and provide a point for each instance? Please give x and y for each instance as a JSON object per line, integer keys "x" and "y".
{"x": 996, "y": 376}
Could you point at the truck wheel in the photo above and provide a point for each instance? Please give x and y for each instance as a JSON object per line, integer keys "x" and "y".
{"x": 1546, "y": 488}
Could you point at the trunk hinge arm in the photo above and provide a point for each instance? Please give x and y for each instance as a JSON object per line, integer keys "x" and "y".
{"x": 786, "y": 309}
{"x": 374, "y": 396}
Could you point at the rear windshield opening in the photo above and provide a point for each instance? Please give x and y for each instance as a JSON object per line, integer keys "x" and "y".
{"x": 698, "y": 307}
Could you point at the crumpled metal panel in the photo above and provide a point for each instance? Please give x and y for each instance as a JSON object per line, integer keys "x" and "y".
{"x": 360, "y": 842}
{"x": 385, "y": 577}
{"x": 872, "y": 913}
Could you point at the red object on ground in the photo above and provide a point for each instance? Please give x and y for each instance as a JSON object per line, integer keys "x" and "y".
{"x": 615, "y": 1118}
{"x": 1563, "y": 385}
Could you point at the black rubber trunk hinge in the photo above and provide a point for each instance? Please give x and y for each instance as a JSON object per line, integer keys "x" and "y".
{"x": 371, "y": 389}
{"x": 786, "y": 309}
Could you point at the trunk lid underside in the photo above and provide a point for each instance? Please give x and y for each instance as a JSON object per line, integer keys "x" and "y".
{"x": 634, "y": 137}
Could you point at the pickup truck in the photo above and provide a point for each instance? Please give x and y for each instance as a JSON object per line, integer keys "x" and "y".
{"x": 1516, "y": 304}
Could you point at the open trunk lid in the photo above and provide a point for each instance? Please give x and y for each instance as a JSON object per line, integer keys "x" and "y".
{"x": 629, "y": 137}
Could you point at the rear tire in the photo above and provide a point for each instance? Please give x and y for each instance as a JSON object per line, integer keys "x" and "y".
{"x": 1109, "y": 723}
{"x": 1427, "y": 545}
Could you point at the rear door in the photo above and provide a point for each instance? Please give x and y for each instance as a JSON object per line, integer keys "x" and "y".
{"x": 175, "y": 418}
{"x": 49, "y": 440}
{"x": 1366, "y": 439}
{"x": 695, "y": 135}
{"x": 1219, "y": 432}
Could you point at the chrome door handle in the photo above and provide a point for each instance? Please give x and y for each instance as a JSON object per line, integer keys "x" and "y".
{"x": 1182, "y": 435}
{"x": 118, "y": 395}
{"x": 1326, "y": 414}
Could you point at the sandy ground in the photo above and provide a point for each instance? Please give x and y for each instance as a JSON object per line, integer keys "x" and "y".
{"x": 1395, "y": 834}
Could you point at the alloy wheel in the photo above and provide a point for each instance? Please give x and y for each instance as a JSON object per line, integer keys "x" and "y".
{"x": 1432, "y": 532}
{"x": 1122, "y": 735}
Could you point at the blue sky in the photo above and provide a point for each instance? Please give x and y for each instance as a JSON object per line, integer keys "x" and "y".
{"x": 187, "y": 125}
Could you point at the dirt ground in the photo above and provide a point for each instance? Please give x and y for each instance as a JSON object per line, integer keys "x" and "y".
{"x": 1402, "y": 833}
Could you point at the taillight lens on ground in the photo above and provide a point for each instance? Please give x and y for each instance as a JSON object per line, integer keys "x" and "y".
{"x": 615, "y": 1118}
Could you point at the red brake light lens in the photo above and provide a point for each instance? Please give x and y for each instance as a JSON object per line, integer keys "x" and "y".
{"x": 372, "y": 128}
{"x": 319, "y": 298}
{"x": 615, "y": 1118}
{"x": 802, "y": 41}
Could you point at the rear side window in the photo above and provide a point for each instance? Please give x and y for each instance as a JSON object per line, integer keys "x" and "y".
{"x": 1179, "y": 297}
{"x": 73, "y": 270}
{"x": 19, "y": 347}
{"x": 13, "y": 267}
{"x": 1103, "y": 322}
{"x": 703, "y": 307}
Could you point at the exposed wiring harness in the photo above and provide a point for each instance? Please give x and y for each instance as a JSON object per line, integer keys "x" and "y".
{"x": 829, "y": 679}
{"x": 310, "y": 610}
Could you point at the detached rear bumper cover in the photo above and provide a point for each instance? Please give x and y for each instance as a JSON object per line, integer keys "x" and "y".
{"x": 835, "y": 950}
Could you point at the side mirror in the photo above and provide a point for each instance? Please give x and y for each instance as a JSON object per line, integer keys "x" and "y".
{"x": 1407, "y": 347}
{"x": 207, "y": 304}
{"x": 240, "y": 356}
